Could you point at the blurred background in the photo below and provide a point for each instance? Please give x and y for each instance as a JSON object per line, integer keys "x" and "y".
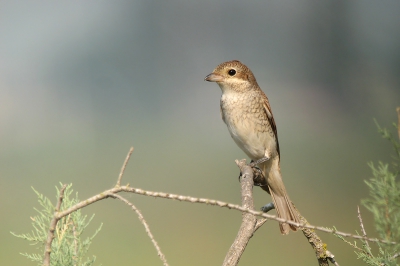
{"x": 83, "y": 81}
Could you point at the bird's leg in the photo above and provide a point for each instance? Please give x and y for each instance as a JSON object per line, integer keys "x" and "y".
{"x": 262, "y": 160}
{"x": 268, "y": 207}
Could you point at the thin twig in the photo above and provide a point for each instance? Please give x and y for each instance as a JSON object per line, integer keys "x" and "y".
{"x": 395, "y": 256}
{"x": 259, "y": 223}
{"x": 53, "y": 225}
{"x": 146, "y": 226}
{"x": 354, "y": 245}
{"x": 212, "y": 202}
{"x": 121, "y": 173}
{"x": 362, "y": 228}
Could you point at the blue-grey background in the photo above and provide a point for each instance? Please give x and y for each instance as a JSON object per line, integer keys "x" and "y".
{"x": 82, "y": 81}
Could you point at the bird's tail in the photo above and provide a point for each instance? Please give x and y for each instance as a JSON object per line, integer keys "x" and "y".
{"x": 283, "y": 205}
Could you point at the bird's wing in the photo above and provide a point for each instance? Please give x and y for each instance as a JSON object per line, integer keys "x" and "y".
{"x": 267, "y": 109}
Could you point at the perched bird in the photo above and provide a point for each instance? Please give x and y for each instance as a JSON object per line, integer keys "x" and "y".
{"x": 246, "y": 112}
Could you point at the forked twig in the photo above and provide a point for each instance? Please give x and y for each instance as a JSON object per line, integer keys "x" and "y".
{"x": 362, "y": 227}
{"x": 146, "y": 226}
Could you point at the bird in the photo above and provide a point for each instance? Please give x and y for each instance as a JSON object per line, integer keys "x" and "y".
{"x": 246, "y": 111}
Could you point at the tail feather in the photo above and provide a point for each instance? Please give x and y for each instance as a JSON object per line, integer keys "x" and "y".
{"x": 283, "y": 205}
{"x": 285, "y": 210}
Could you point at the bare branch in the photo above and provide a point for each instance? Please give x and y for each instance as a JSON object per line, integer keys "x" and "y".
{"x": 249, "y": 221}
{"x": 323, "y": 255}
{"x": 362, "y": 227}
{"x": 259, "y": 223}
{"x": 146, "y": 226}
{"x": 53, "y": 225}
{"x": 121, "y": 173}
{"x": 212, "y": 202}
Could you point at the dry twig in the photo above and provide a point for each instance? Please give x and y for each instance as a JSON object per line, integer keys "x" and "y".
{"x": 121, "y": 173}
{"x": 362, "y": 227}
{"x": 146, "y": 226}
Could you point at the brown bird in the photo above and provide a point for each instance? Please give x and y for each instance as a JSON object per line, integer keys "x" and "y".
{"x": 246, "y": 112}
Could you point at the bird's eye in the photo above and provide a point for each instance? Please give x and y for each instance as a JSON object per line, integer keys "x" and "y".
{"x": 232, "y": 72}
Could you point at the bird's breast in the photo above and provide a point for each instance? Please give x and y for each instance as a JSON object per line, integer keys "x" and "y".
{"x": 248, "y": 124}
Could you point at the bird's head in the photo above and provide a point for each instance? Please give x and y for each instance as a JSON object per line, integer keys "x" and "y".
{"x": 232, "y": 76}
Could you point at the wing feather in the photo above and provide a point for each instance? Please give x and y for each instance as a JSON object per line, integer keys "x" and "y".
{"x": 267, "y": 109}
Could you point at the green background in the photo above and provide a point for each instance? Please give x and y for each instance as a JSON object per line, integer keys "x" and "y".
{"x": 82, "y": 81}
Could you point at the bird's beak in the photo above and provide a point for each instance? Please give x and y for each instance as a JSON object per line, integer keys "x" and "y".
{"x": 214, "y": 78}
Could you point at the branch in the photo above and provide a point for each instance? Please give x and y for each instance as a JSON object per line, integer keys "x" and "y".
{"x": 121, "y": 173}
{"x": 362, "y": 227}
{"x": 53, "y": 225}
{"x": 249, "y": 220}
{"x": 259, "y": 223}
{"x": 146, "y": 226}
{"x": 323, "y": 255}
{"x": 106, "y": 194}
{"x": 57, "y": 216}
{"x": 247, "y": 212}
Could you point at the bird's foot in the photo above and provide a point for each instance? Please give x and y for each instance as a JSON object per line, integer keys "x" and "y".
{"x": 259, "y": 179}
{"x": 268, "y": 207}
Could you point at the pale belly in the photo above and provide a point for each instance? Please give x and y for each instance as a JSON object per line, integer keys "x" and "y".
{"x": 254, "y": 143}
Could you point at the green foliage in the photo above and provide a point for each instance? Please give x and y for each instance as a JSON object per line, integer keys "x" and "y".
{"x": 384, "y": 204}
{"x": 68, "y": 246}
